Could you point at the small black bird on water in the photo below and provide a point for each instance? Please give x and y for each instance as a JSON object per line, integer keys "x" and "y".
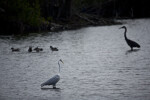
{"x": 53, "y": 48}
{"x": 15, "y": 49}
{"x": 37, "y": 49}
{"x": 30, "y": 49}
{"x": 129, "y": 42}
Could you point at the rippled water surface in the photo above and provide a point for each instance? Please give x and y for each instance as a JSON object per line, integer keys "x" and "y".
{"x": 98, "y": 64}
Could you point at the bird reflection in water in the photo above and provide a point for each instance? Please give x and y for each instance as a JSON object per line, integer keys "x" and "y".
{"x": 131, "y": 51}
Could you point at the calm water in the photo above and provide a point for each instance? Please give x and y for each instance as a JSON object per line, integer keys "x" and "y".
{"x": 97, "y": 64}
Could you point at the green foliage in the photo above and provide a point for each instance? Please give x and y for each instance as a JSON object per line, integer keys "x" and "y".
{"x": 29, "y": 11}
{"x": 21, "y": 11}
{"x": 87, "y": 3}
{"x": 49, "y": 19}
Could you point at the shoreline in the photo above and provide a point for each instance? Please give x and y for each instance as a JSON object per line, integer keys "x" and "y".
{"x": 75, "y": 22}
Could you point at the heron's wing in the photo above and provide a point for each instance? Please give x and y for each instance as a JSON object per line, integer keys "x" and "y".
{"x": 52, "y": 81}
{"x": 133, "y": 43}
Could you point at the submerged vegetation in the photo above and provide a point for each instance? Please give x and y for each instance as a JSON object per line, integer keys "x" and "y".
{"x": 24, "y": 16}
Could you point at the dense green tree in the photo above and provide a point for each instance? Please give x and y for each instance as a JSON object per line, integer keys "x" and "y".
{"x": 21, "y": 11}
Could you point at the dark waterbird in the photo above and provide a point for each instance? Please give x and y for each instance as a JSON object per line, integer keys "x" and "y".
{"x": 53, "y": 48}
{"x": 15, "y": 49}
{"x": 129, "y": 42}
{"x": 30, "y": 49}
{"x": 37, "y": 49}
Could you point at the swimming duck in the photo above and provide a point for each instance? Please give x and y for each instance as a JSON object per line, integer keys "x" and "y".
{"x": 15, "y": 49}
{"x": 30, "y": 49}
{"x": 37, "y": 49}
{"x": 53, "y": 48}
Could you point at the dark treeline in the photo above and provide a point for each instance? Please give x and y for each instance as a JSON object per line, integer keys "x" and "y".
{"x": 117, "y": 8}
{"x": 126, "y": 9}
{"x": 20, "y": 16}
{"x": 24, "y": 16}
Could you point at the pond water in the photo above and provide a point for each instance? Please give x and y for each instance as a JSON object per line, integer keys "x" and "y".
{"x": 98, "y": 64}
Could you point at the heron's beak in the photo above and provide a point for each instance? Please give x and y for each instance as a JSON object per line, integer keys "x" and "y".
{"x": 61, "y": 61}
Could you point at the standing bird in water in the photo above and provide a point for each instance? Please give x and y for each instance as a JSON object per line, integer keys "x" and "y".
{"x": 54, "y": 79}
{"x": 129, "y": 42}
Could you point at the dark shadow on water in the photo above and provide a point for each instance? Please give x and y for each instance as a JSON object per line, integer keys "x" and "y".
{"x": 48, "y": 88}
{"x": 131, "y": 51}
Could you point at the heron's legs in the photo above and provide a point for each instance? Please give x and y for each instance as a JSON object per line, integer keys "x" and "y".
{"x": 131, "y": 48}
{"x": 54, "y": 86}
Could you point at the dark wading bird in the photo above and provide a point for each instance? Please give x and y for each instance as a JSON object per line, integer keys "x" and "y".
{"x": 129, "y": 42}
{"x": 53, "y": 48}
{"x": 52, "y": 81}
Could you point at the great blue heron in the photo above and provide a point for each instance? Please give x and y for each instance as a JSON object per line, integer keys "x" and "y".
{"x": 53, "y": 48}
{"x": 52, "y": 81}
{"x": 129, "y": 42}
{"x": 37, "y": 49}
{"x": 15, "y": 49}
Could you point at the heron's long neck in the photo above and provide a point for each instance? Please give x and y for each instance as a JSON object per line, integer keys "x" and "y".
{"x": 125, "y": 33}
{"x": 59, "y": 66}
